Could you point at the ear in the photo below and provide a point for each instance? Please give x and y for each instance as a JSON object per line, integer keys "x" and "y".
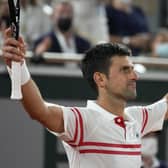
{"x": 99, "y": 79}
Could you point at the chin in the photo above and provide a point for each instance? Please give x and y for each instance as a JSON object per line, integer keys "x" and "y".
{"x": 131, "y": 96}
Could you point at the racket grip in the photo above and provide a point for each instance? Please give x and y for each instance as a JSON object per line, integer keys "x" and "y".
{"x": 16, "y": 93}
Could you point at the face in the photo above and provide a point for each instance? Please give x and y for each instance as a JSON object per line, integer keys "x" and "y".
{"x": 121, "y": 80}
{"x": 62, "y": 11}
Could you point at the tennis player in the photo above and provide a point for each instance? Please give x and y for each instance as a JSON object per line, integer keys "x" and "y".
{"x": 104, "y": 134}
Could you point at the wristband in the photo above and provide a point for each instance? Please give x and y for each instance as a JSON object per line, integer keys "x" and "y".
{"x": 25, "y": 74}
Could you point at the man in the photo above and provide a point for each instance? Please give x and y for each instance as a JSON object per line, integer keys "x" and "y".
{"x": 128, "y": 25}
{"x": 103, "y": 134}
{"x": 62, "y": 38}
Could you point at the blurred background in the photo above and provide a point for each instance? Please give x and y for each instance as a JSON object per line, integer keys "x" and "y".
{"x": 57, "y": 34}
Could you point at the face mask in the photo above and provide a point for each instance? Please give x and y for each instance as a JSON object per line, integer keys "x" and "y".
{"x": 64, "y": 24}
{"x": 162, "y": 50}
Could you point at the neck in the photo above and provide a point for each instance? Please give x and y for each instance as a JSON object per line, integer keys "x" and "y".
{"x": 113, "y": 105}
{"x": 67, "y": 34}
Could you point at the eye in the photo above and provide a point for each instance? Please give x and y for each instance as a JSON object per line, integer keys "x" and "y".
{"x": 127, "y": 69}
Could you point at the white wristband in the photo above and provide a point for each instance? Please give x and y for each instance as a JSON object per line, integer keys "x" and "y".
{"x": 25, "y": 74}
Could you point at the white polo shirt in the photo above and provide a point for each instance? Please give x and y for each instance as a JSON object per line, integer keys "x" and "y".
{"x": 95, "y": 138}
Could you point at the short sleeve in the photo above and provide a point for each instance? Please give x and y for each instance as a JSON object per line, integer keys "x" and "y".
{"x": 72, "y": 126}
{"x": 151, "y": 117}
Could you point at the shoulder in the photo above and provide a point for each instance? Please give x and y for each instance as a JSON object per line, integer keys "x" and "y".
{"x": 131, "y": 109}
{"x": 138, "y": 10}
{"x": 83, "y": 114}
{"x": 109, "y": 9}
{"x": 135, "y": 112}
{"x": 81, "y": 43}
{"x": 82, "y": 111}
{"x": 82, "y": 39}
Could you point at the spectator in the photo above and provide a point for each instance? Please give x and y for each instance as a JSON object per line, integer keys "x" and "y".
{"x": 149, "y": 151}
{"x": 62, "y": 38}
{"x": 91, "y": 20}
{"x": 34, "y": 21}
{"x": 128, "y": 24}
{"x": 159, "y": 44}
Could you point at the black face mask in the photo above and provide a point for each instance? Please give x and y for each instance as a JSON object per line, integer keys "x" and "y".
{"x": 64, "y": 24}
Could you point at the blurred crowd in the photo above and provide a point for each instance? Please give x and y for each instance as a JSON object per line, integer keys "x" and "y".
{"x": 75, "y": 25}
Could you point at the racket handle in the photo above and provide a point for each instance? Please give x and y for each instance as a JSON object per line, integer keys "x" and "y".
{"x": 16, "y": 92}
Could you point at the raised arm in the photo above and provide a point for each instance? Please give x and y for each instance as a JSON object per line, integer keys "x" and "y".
{"x": 49, "y": 115}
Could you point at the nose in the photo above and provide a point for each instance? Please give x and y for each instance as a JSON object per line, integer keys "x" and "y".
{"x": 134, "y": 75}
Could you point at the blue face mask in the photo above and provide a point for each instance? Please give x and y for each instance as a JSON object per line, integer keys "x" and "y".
{"x": 162, "y": 50}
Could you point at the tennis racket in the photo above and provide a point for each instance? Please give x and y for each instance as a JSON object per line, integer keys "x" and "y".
{"x": 14, "y": 9}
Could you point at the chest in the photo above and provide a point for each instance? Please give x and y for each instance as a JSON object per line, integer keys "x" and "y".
{"x": 116, "y": 131}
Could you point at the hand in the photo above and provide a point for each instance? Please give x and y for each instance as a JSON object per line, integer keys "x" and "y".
{"x": 12, "y": 49}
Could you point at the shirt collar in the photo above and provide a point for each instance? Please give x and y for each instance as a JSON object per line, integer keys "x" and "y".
{"x": 91, "y": 104}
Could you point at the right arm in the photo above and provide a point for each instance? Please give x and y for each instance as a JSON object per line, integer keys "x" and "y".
{"x": 49, "y": 115}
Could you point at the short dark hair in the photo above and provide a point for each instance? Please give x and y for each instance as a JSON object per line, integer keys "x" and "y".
{"x": 98, "y": 59}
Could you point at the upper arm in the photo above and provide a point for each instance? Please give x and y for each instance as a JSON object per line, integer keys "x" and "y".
{"x": 53, "y": 119}
{"x": 151, "y": 117}
{"x": 155, "y": 115}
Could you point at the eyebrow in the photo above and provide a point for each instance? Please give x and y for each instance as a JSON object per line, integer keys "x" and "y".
{"x": 126, "y": 67}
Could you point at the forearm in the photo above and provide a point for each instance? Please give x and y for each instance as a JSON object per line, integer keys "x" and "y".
{"x": 49, "y": 115}
{"x": 33, "y": 101}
